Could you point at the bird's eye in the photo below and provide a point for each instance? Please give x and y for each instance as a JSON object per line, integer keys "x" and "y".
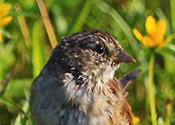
{"x": 99, "y": 49}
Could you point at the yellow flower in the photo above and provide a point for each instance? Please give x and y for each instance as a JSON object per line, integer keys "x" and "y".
{"x": 4, "y": 10}
{"x": 155, "y": 33}
{"x": 4, "y": 19}
{"x": 1, "y": 37}
{"x": 135, "y": 119}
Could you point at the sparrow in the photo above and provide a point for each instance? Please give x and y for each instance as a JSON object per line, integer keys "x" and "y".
{"x": 77, "y": 85}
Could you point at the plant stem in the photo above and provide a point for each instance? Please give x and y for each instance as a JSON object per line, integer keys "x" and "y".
{"x": 172, "y": 6}
{"x": 150, "y": 91}
{"x": 23, "y": 26}
{"x": 47, "y": 23}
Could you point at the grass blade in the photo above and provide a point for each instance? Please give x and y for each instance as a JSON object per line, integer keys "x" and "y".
{"x": 82, "y": 16}
{"x": 172, "y": 5}
{"x": 38, "y": 50}
{"x": 121, "y": 22}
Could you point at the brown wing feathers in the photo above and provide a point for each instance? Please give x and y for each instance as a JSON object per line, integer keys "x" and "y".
{"x": 121, "y": 85}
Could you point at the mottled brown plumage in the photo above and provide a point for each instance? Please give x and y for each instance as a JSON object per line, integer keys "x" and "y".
{"x": 77, "y": 85}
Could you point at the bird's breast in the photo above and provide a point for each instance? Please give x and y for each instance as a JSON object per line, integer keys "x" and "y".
{"x": 95, "y": 106}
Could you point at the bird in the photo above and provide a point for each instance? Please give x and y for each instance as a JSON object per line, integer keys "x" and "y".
{"x": 77, "y": 85}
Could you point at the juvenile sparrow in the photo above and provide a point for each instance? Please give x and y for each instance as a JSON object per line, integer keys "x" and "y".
{"x": 77, "y": 85}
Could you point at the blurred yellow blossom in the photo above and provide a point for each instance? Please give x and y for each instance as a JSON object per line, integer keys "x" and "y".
{"x": 4, "y": 10}
{"x": 4, "y": 19}
{"x": 0, "y": 37}
{"x": 135, "y": 119}
{"x": 155, "y": 33}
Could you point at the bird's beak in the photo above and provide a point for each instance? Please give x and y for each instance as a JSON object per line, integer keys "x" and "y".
{"x": 123, "y": 57}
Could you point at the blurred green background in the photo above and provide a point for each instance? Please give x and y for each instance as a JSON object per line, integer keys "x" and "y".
{"x": 26, "y": 48}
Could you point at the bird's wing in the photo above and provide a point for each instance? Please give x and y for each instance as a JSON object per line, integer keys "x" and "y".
{"x": 125, "y": 115}
{"x": 120, "y": 86}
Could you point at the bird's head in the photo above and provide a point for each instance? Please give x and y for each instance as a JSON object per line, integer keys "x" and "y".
{"x": 94, "y": 53}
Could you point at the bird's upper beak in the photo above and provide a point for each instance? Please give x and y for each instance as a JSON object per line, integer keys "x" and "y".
{"x": 123, "y": 57}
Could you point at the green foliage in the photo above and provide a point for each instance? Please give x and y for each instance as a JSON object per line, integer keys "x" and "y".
{"x": 116, "y": 17}
{"x": 38, "y": 51}
{"x": 7, "y": 58}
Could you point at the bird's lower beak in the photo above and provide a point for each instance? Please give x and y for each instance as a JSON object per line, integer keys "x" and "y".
{"x": 124, "y": 57}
